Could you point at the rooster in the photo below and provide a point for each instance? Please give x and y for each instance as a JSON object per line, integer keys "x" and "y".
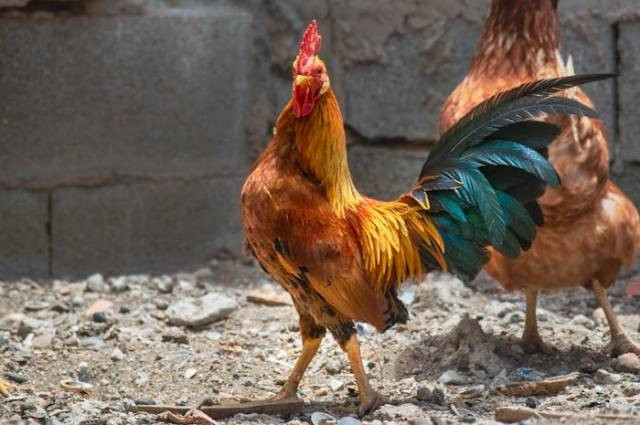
{"x": 591, "y": 230}
{"x": 341, "y": 256}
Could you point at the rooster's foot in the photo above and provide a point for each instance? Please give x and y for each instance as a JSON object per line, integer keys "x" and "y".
{"x": 532, "y": 343}
{"x": 621, "y": 344}
{"x": 369, "y": 403}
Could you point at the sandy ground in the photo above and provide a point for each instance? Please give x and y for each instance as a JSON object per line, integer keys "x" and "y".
{"x": 129, "y": 353}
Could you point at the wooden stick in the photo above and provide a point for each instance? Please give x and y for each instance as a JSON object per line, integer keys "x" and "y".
{"x": 511, "y": 414}
{"x": 545, "y": 386}
{"x": 270, "y": 407}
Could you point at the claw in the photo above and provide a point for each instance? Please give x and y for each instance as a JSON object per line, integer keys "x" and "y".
{"x": 622, "y": 344}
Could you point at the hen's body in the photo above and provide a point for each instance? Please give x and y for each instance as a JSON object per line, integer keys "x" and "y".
{"x": 592, "y": 230}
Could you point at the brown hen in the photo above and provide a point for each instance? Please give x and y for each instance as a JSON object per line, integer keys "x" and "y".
{"x": 592, "y": 230}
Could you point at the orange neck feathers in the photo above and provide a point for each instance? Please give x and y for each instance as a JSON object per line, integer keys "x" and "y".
{"x": 519, "y": 37}
{"x": 320, "y": 148}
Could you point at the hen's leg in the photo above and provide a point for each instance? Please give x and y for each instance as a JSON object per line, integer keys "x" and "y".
{"x": 531, "y": 340}
{"x": 312, "y": 335}
{"x": 620, "y": 341}
{"x": 345, "y": 335}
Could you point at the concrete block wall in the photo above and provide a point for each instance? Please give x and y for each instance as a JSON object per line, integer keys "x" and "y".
{"x": 127, "y": 126}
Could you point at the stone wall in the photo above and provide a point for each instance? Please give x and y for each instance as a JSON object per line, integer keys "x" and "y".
{"x": 128, "y": 125}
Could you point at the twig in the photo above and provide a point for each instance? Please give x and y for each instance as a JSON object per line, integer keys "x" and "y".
{"x": 511, "y": 414}
{"x": 546, "y": 386}
{"x": 271, "y": 407}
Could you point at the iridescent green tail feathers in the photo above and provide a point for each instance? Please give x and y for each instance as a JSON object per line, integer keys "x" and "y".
{"x": 483, "y": 178}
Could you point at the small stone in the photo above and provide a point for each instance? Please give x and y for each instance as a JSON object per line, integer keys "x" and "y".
{"x": 528, "y": 374}
{"x": 142, "y": 378}
{"x": 468, "y": 419}
{"x": 407, "y": 294}
{"x": 175, "y": 335}
{"x": 438, "y": 396}
{"x": 332, "y": 366}
{"x": 631, "y": 389}
{"x": 44, "y": 339}
{"x": 95, "y": 283}
{"x": 336, "y": 384}
{"x": 161, "y": 304}
{"x": 348, "y": 420}
{"x": 599, "y": 317}
{"x": 16, "y": 377}
{"x": 98, "y": 306}
{"x": 186, "y": 285}
{"x": 269, "y": 295}
{"x": 77, "y": 300}
{"x": 424, "y": 394}
{"x": 29, "y": 325}
{"x": 165, "y": 285}
{"x": 437, "y": 421}
{"x": 452, "y": 377}
{"x": 117, "y": 355}
{"x": 628, "y": 362}
{"x": 84, "y": 374}
{"x": 119, "y": 284}
{"x": 321, "y": 392}
{"x": 100, "y": 317}
{"x": 604, "y": 377}
{"x": 531, "y": 402}
{"x": 214, "y": 336}
{"x": 200, "y": 311}
{"x": 499, "y": 309}
{"x": 321, "y": 418}
{"x": 190, "y": 373}
{"x": 582, "y": 320}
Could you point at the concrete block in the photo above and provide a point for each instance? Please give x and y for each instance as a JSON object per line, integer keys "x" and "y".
{"x": 589, "y": 40}
{"x": 401, "y": 61}
{"x": 385, "y": 172}
{"x": 145, "y": 227}
{"x": 629, "y": 90}
{"x": 89, "y": 98}
{"x": 24, "y": 242}
{"x": 629, "y": 100}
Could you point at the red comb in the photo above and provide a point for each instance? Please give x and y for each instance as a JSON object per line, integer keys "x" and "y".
{"x": 309, "y": 46}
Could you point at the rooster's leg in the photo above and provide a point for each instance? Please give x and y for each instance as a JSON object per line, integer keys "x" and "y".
{"x": 312, "y": 335}
{"x": 346, "y": 336}
{"x": 620, "y": 341}
{"x": 531, "y": 340}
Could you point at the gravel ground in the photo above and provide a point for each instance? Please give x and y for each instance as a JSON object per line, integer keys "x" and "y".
{"x": 143, "y": 339}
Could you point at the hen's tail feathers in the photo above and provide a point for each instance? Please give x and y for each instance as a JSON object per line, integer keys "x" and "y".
{"x": 481, "y": 182}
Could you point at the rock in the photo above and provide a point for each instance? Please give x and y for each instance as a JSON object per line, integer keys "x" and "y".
{"x": 98, "y": 306}
{"x": 332, "y": 366}
{"x": 439, "y": 397}
{"x": 604, "y": 377}
{"x": 165, "y": 285}
{"x": 631, "y": 389}
{"x": 117, "y": 355}
{"x": 365, "y": 329}
{"x": 599, "y": 317}
{"x": 582, "y": 320}
{"x": 190, "y": 373}
{"x": 348, "y": 420}
{"x": 499, "y": 309}
{"x": 452, "y": 377}
{"x": 336, "y": 384}
{"x": 95, "y": 283}
{"x": 628, "y": 362}
{"x": 16, "y": 377}
{"x": 531, "y": 402}
{"x": 321, "y": 418}
{"x": 214, "y": 336}
{"x": 201, "y": 311}
{"x": 424, "y": 394}
{"x": 77, "y": 300}
{"x": 175, "y": 335}
{"x": 186, "y": 285}
{"x": 29, "y": 325}
{"x": 44, "y": 339}
{"x": 404, "y": 413}
{"x": 119, "y": 284}
{"x": 100, "y": 317}
{"x": 407, "y": 293}
{"x": 528, "y": 374}
{"x": 84, "y": 374}
{"x": 468, "y": 419}
{"x": 270, "y": 295}
{"x": 142, "y": 378}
